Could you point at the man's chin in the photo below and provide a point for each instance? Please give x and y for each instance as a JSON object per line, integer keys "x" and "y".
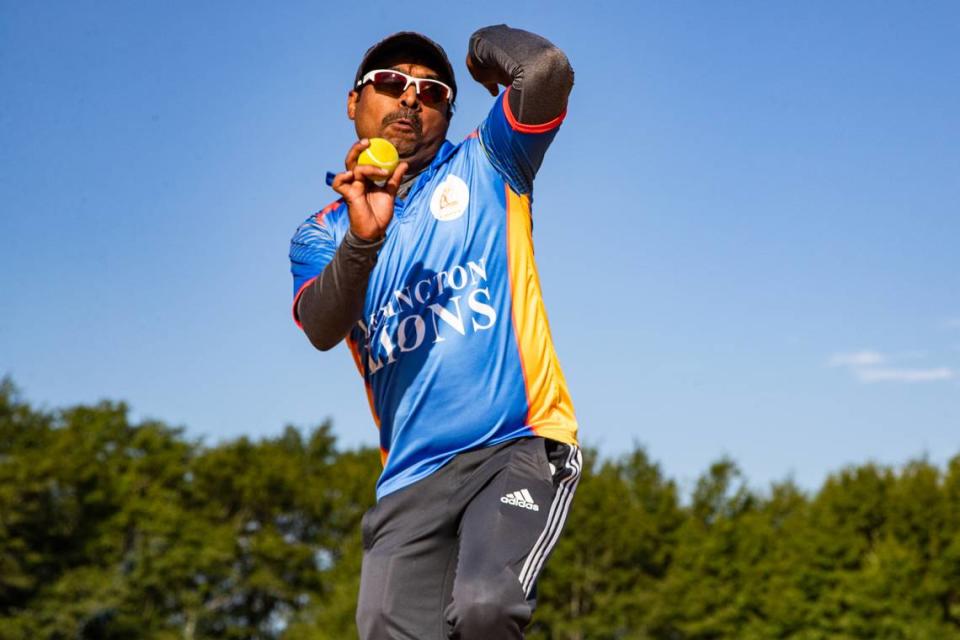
{"x": 406, "y": 146}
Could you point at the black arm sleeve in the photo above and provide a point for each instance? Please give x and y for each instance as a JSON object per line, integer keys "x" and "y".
{"x": 330, "y": 306}
{"x": 540, "y": 74}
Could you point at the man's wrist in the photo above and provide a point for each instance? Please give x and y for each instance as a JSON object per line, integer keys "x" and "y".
{"x": 360, "y": 242}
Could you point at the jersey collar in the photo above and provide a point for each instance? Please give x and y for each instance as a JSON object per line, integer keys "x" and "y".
{"x": 443, "y": 154}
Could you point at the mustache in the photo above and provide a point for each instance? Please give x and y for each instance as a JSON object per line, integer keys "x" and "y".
{"x": 404, "y": 114}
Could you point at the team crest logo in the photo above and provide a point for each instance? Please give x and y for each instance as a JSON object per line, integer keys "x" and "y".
{"x": 450, "y": 199}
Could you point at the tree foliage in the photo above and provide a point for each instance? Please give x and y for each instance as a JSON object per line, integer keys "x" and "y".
{"x": 115, "y": 530}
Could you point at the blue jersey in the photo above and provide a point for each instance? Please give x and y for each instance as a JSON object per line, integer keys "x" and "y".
{"x": 454, "y": 346}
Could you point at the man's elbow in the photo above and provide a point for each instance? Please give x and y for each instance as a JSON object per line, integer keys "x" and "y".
{"x": 322, "y": 341}
{"x": 552, "y": 67}
{"x": 558, "y": 66}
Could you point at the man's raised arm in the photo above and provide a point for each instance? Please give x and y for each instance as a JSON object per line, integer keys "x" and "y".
{"x": 538, "y": 73}
{"x": 538, "y": 78}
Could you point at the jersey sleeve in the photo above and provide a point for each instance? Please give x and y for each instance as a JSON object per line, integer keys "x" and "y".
{"x": 516, "y": 149}
{"x": 311, "y": 250}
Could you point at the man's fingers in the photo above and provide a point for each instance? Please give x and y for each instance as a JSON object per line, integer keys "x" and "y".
{"x": 369, "y": 172}
{"x": 351, "y": 160}
{"x": 394, "y": 182}
{"x": 471, "y": 67}
{"x": 484, "y": 76}
{"x": 342, "y": 182}
{"x": 350, "y": 186}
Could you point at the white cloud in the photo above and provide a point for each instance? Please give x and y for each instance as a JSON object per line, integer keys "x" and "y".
{"x": 904, "y": 375}
{"x": 865, "y": 358}
{"x": 872, "y": 366}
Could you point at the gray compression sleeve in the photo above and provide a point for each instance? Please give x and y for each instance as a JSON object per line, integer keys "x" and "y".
{"x": 539, "y": 74}
{"x": 330, "y": 306}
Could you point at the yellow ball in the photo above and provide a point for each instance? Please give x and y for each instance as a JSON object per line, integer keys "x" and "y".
{"x": 381, "y": 154}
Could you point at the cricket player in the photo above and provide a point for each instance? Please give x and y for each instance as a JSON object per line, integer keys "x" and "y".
{"x": 431, "y": 281}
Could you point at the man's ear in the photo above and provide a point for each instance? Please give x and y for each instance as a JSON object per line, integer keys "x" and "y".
{"x": 352, "y": 99}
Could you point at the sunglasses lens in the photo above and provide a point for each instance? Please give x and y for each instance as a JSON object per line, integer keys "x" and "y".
{"x": 389, "y": 83}
{"x": 432, "y": 92}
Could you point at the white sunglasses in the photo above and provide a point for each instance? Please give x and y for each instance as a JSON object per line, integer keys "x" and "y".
{"x": 394, "y": 83}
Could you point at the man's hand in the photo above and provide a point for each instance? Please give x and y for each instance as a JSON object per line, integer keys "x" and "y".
{"x": 370, "y": 207}
{"x": 490, "y": 77}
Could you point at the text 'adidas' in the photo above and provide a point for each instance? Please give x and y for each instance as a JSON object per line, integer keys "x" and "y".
{"x": 521, "y": 498}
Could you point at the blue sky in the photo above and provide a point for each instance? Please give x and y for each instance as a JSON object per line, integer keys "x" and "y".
{"x": 747, "y": 227}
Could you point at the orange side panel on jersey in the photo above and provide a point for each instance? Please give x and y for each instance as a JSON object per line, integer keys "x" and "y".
{"x": 550, "y": 410}
{"x": 355, "y": 352}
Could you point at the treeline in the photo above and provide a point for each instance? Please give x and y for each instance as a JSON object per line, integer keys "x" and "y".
{"x": 114, "y": 530}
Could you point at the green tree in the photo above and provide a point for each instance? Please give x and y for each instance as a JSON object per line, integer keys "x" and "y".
{"x": 115, "y": 530}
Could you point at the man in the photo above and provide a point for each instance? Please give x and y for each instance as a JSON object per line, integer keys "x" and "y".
{"x": 431, "y": 280}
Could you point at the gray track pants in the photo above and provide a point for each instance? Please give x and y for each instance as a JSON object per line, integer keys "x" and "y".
{"x": 457, "y": 554}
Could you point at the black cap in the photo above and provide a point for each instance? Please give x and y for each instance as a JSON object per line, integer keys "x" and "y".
{"x": 413, "y": 42}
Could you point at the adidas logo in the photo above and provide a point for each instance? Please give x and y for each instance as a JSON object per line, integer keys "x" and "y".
{"x": 521, "y": 498}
